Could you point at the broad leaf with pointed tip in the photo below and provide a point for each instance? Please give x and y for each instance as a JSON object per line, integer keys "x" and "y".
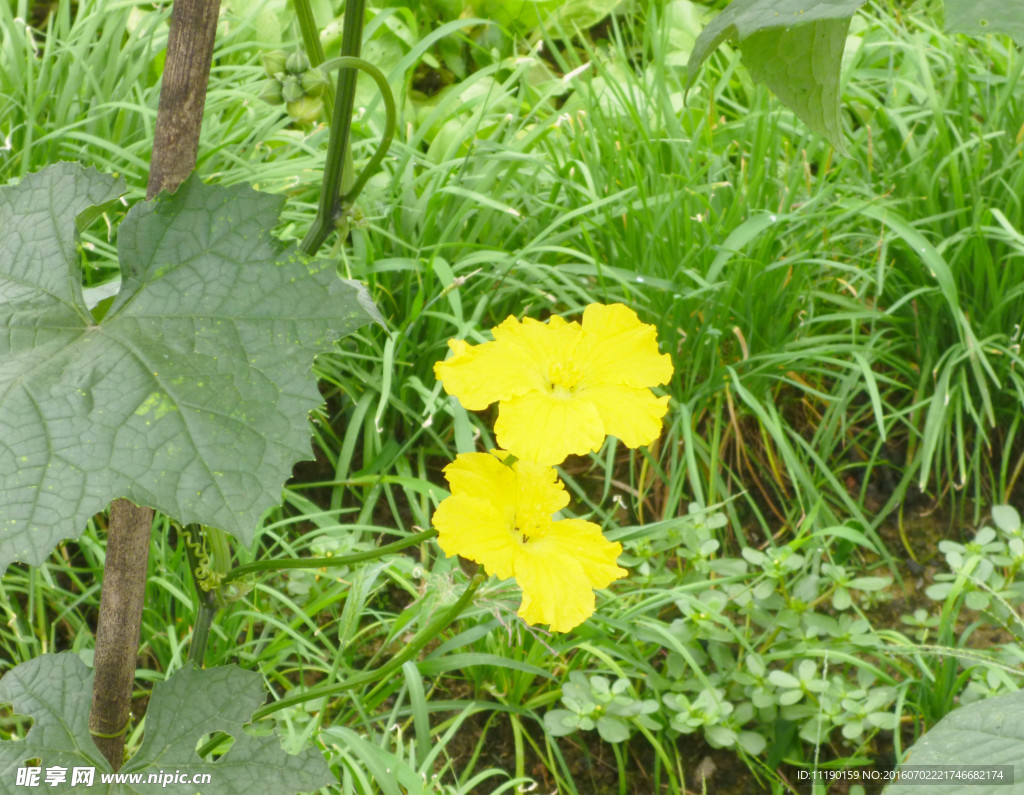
{"x": 795, "y": 47}
{"x": 55, "y": 690}
{"x": 191, "y": 395}
{"x": 978, "y": 17}
{"x": 987, "y": 733}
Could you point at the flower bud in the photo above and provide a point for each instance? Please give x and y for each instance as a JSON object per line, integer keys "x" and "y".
{"x": 297, "y": 63}
{"x": 313, "y": 82}
{"x": 273, "y": 62}
{"x": 271, "y": 92}
{"x": 307, "y": 109}
{"x": 291, "y": 89}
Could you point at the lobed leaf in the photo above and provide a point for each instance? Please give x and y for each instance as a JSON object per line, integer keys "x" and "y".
{"x": 56, "y": 691}
{"x": 191, "y": 395}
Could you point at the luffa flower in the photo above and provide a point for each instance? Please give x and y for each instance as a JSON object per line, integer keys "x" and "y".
{"x": 502, "y": 517}
{"x": 561, "y": 387}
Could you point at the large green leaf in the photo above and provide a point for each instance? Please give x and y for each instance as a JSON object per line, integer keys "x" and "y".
{"x": 986, "y": 16}
{"x": 191, "y": 395}
{"x": 55, "y": 690}
{"x": 986, "y": 733}
{"x": 795, "y": 47}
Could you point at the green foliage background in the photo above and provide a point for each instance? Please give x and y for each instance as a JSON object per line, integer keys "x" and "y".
{"x": 847, "y": 335}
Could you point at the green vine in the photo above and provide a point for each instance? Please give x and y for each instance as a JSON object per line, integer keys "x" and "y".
{"x": 336, "y": 194}
{"x": 335, "y": 560}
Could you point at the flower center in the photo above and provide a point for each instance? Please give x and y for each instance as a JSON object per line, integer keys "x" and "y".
{"x": 563, "y": 378}
{"x": 528, "y": 526}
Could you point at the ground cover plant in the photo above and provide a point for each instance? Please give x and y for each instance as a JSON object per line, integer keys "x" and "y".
{"x": 844, "y": 331}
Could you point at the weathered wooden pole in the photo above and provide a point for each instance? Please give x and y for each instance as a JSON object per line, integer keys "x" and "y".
{"x": 175, "y": 144}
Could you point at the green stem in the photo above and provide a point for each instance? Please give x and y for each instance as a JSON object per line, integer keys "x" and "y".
{"x": 337, "y": 560}
{"x": 517, "y": 743}
{"x": 316, "y": 55}
{"x": 208, "y": 605}
{"x": 220, "y": 552}
{"x": 423, "y": 637}
{"x": 330, "y": 208}
{"x": 201, "y": 631}
{"x": 311, "y": 44}
{"x": 390, "y": 115}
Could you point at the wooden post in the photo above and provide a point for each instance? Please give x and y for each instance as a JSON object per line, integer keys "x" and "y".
{"x": 176, "y": 141}
{"x": 182, "y": 93}
{"x": 120, "y": 621}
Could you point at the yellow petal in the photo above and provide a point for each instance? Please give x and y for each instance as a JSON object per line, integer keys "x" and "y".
{"x": 559, "y": 570}
{"x": 476, "y": 529}
{"x": 627, "y": 413}
{"x": 544, "y": 429}
{"x": 483, "y": 475}
{"x": 544, "y": 344}
{"x": 479, "y": 375}
{"x": 583, "y": 542}
{"x": 540, "y": 494}
{"x": 616, "y": 348}
{"x": 554, "y": 593}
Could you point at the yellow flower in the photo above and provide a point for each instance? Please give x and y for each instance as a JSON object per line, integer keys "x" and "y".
{"x": 561, "y": 387}
{"x": 501, "y": 517}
